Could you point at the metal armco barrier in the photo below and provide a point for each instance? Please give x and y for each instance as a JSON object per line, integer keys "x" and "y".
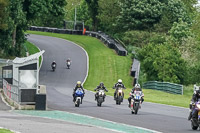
{"x": 111, "y": 43}
{"x": 164, "y": 86}
{"x": 135, "y": 70}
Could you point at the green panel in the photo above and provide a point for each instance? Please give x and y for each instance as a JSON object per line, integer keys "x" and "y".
{"x": 163, "y": 86}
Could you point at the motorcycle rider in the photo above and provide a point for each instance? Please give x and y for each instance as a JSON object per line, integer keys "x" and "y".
{"x": 68, "y": 60}
{"x": 53, "y": 63}
{"x": 136, "y": 88}
{"x": 78, "y": 85}
{"x": 100, "y": 87}
{"x": 116, "y": 86}
{"x": 195, "y": 97}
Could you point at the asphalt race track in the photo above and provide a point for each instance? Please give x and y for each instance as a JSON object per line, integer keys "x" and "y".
{"x": 163, "y": 118}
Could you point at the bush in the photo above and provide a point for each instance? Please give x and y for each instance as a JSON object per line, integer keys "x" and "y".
{"x": 193, "y": 74}
{"x": 162, "y": 62}
{"x": 180, "y": 31}
{"x": 141, "y": 38}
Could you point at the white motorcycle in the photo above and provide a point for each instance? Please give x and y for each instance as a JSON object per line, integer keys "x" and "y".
{"x": 100, "y": 98}
{"x": 135, "y": 101}
{"x": 53, "y": 67}
{"x": 68, "y": 63}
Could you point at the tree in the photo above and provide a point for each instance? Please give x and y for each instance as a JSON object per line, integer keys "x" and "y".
{"x": 93, "y": 7}
{"x": 172, "y": 12}
{"x": 21, "y": 14}
{"x": 70, "y": 8}
{"x": 84, "y": 15}
{"x": 3, "y": 14}
{"x": 190, "y": 5}
{"x": 49, "y": 13}
{"x": 108, "y": 12}
{"x": 162, "y": 62}
{"x": 139, "y": 14}
{"x": 180, "y": 31}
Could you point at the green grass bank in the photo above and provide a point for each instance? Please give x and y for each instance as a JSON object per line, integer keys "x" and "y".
{"x": 31, "y": 49}
{"x": 5, "y": 131}
{"x": 106, "y": 66}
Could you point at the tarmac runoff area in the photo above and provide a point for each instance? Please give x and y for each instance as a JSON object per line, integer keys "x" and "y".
{"x": 87, "y": 121}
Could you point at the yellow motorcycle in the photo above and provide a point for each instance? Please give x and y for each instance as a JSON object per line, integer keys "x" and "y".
{"x": 119, "y": 96}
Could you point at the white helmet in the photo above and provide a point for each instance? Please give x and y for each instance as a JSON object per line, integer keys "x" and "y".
{"x": 119, "y": 81}
{"x": 137, "y": 85}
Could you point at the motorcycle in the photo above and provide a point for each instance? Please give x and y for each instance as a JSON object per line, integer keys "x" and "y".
{"x": 100, "y": 98}
{"x": 135, "y": 101}
{"x": 68, "y": 64}
{"x": 54, "y": 67}
{"x": 119, "y": 96}
{"x": 195, "y": 121}
{"x": 78, "y": 97}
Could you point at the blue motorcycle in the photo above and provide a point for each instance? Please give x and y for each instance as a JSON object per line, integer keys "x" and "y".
{"x": 78, "y": 97}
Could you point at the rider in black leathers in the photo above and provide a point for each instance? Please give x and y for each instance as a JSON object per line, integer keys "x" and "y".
{"x": 136, "y": 88}
{"x": 68, "y": 60}
{"x": 100, "y": 87}
{"x": 78, "y": 85}
{"x": 116, "y": 86}
{"x": 195, "y": 97}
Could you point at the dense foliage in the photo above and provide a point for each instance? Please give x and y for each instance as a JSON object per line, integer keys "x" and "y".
{"x": 162, "y": 63}
{"x": 139, "y": 14}
{"x": 93, "y": 7}
{"x": 17, "y": 15}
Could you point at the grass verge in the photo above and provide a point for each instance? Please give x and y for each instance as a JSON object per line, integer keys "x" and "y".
{"x": 106, "y": 66}
{"x": 5, "y": 131}
{"x": 32, "y": 49}
{"x": 169, "y": 99}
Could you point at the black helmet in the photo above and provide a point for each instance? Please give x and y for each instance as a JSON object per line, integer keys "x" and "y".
{"x": 101, "y": 84}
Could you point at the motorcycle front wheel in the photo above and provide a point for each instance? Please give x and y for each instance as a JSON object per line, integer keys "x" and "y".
{"x": 136, "y": 108}
{"x": 193, "y": 126}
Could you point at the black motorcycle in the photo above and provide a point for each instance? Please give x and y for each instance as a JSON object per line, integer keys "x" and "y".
{"x": 101, "y": 97}
{"x": 53, "y": 67}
